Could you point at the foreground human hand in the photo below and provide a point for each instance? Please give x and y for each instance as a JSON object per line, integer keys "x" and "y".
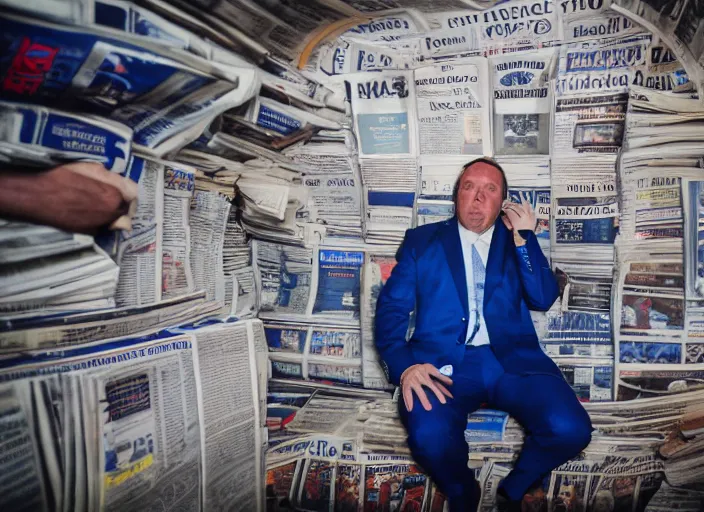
{"x": 418, "y": 376}
{"x": 78, "y": 197}
{"x": 519, "y": 216}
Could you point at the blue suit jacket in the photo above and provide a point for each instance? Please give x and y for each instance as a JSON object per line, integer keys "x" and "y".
{"x": 429, "y": 279}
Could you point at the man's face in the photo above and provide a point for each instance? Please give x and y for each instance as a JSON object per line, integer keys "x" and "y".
{"x": 480, "y": 197}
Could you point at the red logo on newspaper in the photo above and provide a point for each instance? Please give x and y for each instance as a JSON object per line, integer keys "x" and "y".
{"x": 30, "y": 64}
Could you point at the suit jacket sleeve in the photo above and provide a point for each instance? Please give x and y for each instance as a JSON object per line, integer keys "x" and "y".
{"x": 396, "y": 302}
{"x": 540, "y": 288}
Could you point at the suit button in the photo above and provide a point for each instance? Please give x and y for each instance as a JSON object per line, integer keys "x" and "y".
{"x": 464, "y": 319}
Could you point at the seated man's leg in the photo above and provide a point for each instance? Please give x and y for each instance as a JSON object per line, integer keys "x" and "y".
{"x": 557, "y": 426}
{"x": 436, "y": 440}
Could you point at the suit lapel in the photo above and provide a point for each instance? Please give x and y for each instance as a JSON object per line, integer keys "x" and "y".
{"x": 453, "y": 250}
{"x": 495, "y": 261}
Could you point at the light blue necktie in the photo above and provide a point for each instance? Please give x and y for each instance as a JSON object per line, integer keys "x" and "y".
{"x": 479, "y": 273}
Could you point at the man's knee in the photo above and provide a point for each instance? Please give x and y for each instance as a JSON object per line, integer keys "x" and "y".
{"x": 572, "y": 432}
{"x": 433, "y": 436}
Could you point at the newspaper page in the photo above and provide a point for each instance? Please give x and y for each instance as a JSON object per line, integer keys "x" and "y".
{"x": 23, "y": 487}
{"x": 453, "y": 108}
{"x": 301, "y": 284}
{"x": 522, "y": 101}
{"x": 600, "y": 67}
{"x": 322, "y": 353}
{"x": 523, "y": 23}
{"x": 677, "y": 24}
{"x": 585, "y": 214}
{"x": 578, "y": 334}
{"x": 79, "y": 279}
{"x": 139, "y": 251}
{"x": 652, "y": 344}
{"x": 334, "y": 187}
{"x": 50, "y": 331}
{"x": 594, "y": 20}
{"x": 591, "y": 379}
{"x": 628, "y": 481}
{"x": 34, "y": 135}
{"x": 177, "y": 272}
{"x": 385, "y": 123}
{"x": 166, "y": 105}
{"x": 146, "y": 436}
{"x": 693, "y": 204}
{"x": 208, "y": 217}
{"x": 228, "y": 394}
{"x": 377, "y": 269}
{"x": 373, "y": 6}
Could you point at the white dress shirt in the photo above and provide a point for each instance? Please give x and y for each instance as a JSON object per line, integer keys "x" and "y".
{"x": 482, "y": 243}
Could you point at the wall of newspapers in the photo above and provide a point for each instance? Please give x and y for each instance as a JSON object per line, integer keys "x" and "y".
{"x": 218, "y": 353}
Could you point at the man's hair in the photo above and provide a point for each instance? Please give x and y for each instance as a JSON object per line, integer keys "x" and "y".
{"x": 484, "y": 160}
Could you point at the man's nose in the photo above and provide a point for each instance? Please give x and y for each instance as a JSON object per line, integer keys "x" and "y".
{"x": 480, "y": 196}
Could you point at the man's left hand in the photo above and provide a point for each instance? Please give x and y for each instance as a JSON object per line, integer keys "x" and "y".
{"x": 519, "y": 216}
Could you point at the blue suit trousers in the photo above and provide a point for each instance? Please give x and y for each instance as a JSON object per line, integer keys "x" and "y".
{"x": 557, "y": 426}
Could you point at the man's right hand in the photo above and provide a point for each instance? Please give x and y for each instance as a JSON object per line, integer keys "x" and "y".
{"x": 419, "y": 375}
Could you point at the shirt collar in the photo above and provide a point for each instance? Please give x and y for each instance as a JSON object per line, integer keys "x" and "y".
{"x": 471, "y": 237}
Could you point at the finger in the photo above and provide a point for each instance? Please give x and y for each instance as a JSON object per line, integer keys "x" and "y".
{"x": 444, "y": 390}
{"x": 433, "y": 387}
{"x": 420, "y": 393}
{"x": 435, "y": 373}
{"x": 512, "y": 215}
{"x": 514, "y": 207}
{"x": 408, "y": 397}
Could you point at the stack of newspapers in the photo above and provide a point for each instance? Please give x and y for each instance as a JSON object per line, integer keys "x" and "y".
{"x": 656, "y": 304}
{"x": 385, "y": 123}
{"x": 44, "y": 271}
{"x": 112, "y": 425}
{"x": 623, "y": 463}
{"x": 333, "y": 184}
{"x": 342, "y": 451}
{"x": 684, "y": 451}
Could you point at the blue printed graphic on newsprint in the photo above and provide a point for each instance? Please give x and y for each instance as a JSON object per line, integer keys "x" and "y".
{"x": 650, "y": 353}
{"x": 285, "y": 338}
{"x": 338, "y": 283}
{"x": 384, "y": 134}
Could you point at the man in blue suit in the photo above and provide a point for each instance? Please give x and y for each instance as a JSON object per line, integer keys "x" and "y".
{"x": 471, "y": 282}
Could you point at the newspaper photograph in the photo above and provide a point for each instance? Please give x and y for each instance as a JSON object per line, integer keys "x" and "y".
{"x": 578, "y": 334}
{"x": 398, "y": 485}
{"x": 522, "y": 100}
{"x": 643, "y": 381}
{"x": 589, "y": 125}
{"x": 348, "y": 487}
